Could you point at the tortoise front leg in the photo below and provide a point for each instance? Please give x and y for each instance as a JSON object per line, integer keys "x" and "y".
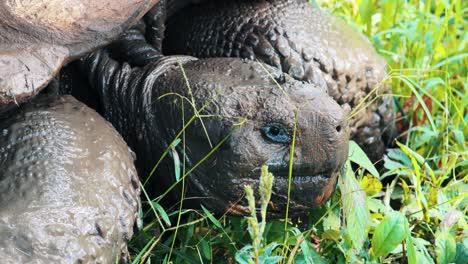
{"x": 134, "y": 49}
{"x": 155, "y": 20}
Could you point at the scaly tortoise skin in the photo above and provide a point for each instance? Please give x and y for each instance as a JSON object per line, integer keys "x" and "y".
{"x": 301, "y": 40}
{"x": 69, "y": 191}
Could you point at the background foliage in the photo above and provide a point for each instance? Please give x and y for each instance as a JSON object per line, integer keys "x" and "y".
{"x": 413, "y": 211}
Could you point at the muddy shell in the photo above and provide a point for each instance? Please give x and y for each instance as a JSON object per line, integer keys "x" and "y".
{"x": 69, "y": 191}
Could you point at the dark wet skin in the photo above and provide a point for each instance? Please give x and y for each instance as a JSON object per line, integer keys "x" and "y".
{"x": 301, "y": 40}
{"x": 38, "y": 37}
{"x": 246, "y": 113}
{"x": 69, "y": 191}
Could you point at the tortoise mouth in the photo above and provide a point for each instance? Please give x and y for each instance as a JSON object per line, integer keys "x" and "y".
{"x": 309, "y": 186}
{"x": 303, "y": 191}
{"x": 302, "y": 174}
{"x": 304, "y": 182}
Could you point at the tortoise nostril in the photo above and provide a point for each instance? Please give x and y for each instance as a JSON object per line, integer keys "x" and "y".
{"x": 338, "y": 129}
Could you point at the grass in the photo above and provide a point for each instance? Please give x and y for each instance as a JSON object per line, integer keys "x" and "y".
{"x": 414, "y": 211}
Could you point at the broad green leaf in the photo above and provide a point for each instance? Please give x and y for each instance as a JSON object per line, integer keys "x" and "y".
{"x": 410, "y": 250}
{"x": 388, "y": 13}
{"x": 389, "y": 234}
{"x": 269, "y": 249}
{"x": 462, "y": 252}
{"x": 211, "y": 217}
{"x": 355, "y": 210}
{"x": 271, "y": 260}
{"x": 175, "y": 157}
{"x": 310, "y": 255}
{"x": 399, "y": 156}
{"x": 300, "y": 259}
{"x": 332, "y": 234}
{"x": 306, "y": 251}
{"x": 205, "y": 249}
{"x": 357, "y": 155}
{"x": 243, "y": 255}
{"x": 445, "y": 247}
{"x": 266, "y": 258}
{"x": 366, "y": 9}
{"x": 375, "y": 205}
{"x": 459, "y": 137}
{"x": 422, "y": 254}
{"x": 332, "y": 221}
{"x": 162, "y": 213}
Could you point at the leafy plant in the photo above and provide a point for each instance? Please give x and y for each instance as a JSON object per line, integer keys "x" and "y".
{"x": 257, "y": 253}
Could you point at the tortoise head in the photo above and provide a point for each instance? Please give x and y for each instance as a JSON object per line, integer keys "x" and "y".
{"x": 250, "y": 115}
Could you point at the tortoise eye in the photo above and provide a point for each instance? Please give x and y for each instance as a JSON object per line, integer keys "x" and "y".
{"x": 276, "y": 133}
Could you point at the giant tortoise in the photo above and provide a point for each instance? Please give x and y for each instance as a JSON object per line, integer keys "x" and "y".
{"x": 137, "y": 81}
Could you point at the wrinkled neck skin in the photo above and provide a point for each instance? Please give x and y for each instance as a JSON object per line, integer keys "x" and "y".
{"x": 129, "y": 102}
{"x": 235, "y": 100}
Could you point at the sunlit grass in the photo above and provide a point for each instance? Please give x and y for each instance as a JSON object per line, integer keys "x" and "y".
{"x": 422, "y": 191}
